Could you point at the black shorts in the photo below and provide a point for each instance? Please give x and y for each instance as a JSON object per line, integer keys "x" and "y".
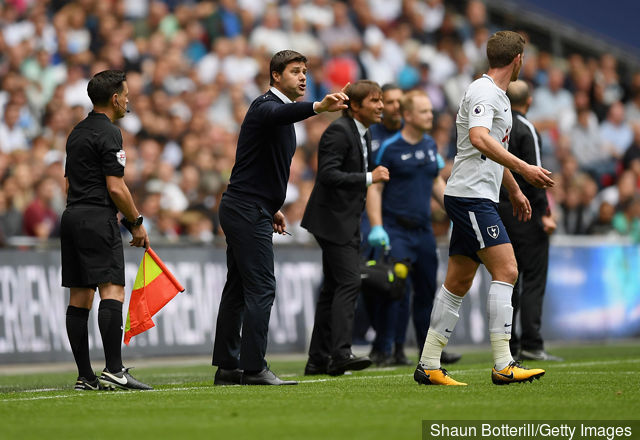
{"x": 91, "y": 245}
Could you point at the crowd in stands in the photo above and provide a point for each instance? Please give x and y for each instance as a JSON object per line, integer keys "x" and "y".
{"x": 193, "y": 67}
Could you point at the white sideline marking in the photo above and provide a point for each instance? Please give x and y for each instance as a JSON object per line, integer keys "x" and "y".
{"x": 346, "y": 377}
{"x": 168, "y": 390}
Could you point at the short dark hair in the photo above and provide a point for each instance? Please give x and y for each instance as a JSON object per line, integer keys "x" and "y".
{"x": 503, "y": 47}
{"x": 283, "y": 58}
{"x": 358, "y": 92}
{"x": 390, "y": 86}
{"x": 104, "y": 84}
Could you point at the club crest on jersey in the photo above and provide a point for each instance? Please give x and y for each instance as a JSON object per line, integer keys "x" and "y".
{"x": 478, "y": 110}
{"x": 493, "y": 231}
{"x": 121, "y": 157}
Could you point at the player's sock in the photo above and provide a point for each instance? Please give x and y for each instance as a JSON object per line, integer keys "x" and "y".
{"x": 444, "y": 317}
{"x": 500, "y": 316}
{"x": 78, "y": 333}
{"x": 110, "y": 323}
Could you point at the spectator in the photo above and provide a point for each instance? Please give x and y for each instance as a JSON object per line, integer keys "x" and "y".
{"x": 587, "y": 147}
{"x": 549, "y": 103}
{"x": 627, "y": 221}
{"x": 376, "y": 66}
{"x": 631, "y": 157}
{"x": 269, "y": 37}
{"x": 615, "y": 132}
{"x": 10, "y": 219}
{"x": 12, "y": 136}
{"x": 621, "y": 192}
{"x": 576, "y": 211}
{"x": 40, "y": 220}
{"x": 603, "y": 224}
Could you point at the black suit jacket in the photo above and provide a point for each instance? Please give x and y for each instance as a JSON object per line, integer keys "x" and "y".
{"x": 338, "y": 197}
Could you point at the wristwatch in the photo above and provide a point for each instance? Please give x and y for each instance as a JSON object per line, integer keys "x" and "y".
{"x": 127, "y": 224}
{"x": 137, "y": 221}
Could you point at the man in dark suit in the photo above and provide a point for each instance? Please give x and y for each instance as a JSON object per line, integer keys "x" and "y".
{"x": 530, "y": 239}
{"x": 333, "y": 217}
{"x": 249, "y": 215}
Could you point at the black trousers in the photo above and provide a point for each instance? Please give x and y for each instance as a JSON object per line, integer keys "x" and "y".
{"x": 333, "y": 324}
{"x": 531, "y": 247}
{"x": 250, "y": 288}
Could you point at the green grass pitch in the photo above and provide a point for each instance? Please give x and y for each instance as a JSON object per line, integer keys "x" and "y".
{"x": 595, "y": 382}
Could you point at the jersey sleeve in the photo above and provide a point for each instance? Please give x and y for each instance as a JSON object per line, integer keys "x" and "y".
{"x": 481, "y": 109}
{"x": 113, "y": 155}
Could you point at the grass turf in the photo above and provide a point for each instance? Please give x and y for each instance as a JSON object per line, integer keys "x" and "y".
{"x": 595, "y": 382}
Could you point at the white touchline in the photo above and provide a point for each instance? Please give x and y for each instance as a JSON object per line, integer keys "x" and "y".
{"x": 303, "y": 381}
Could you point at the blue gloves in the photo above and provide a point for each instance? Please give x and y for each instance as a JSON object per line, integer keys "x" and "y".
{"x": 378, "y": 236}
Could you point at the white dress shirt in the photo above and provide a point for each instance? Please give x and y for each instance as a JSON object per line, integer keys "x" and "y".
{"x": 362, "y": 130}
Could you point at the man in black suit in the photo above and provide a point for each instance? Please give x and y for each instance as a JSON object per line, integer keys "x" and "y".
{"x": 530, "y": 239}
{"x": 333, "y": 217}
{"x": 249, "y": 215}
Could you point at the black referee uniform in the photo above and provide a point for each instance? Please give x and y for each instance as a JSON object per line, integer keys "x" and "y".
{"x": 91, "y": 245}
{"x": 92, "y": 251}
{"x": 529, "y": 239}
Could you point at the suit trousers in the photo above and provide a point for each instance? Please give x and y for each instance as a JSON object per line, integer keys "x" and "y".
{"x": 333, "y": 324}
{"x": 250, "y": 288}
{"x": 531, "y": 248}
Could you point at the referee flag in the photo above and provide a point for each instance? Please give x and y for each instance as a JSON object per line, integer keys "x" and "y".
{"x": 155, "y": 286}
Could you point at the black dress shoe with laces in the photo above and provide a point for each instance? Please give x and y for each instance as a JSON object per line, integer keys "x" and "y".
{"x": 352, "y": 362}
{"x": 314, "y": 368}
{"x": 264, "y": 377}
{"x": 228, "y": 377}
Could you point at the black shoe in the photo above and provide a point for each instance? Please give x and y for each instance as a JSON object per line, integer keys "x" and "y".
{"x": 83, "y": 384}
{"x": 386, "y": 360}
{"x": 228, "y": 377}
{"x": 539, "y": 355}
{"x": 121, "y": 380}
{"x": 446, "y": 357}
{"x": 264, "y": 377}
{"x": 399, "y": 358}
{"x": 376, "y": 356}
{"x": 380, "y": 358}
{"x": 352, "y": 362}
{"x": 314, "y": 369}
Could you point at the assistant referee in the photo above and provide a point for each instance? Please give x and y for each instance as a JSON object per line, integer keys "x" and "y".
{"x": 92, "y": 253}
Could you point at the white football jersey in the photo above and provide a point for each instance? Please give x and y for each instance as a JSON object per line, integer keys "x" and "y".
{"x": 474, "y": 175}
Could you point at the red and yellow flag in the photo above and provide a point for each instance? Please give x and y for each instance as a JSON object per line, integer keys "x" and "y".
{"x": 155, "y": 286}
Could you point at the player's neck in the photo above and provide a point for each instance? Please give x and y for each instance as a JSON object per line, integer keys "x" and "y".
{"x": 501, "y": 76}
{"x": 411, "y": 134}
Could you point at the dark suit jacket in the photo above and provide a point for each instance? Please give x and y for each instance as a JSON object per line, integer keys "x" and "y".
{"x": 338, "y": 197}
{"x": 524, "y": 142}
{"x": 266, "y": 144}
